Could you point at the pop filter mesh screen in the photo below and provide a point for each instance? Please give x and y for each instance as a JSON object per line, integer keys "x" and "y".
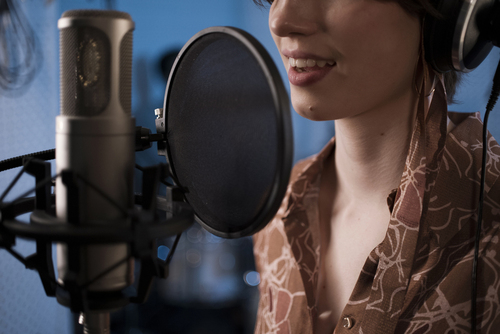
{"x": 223, "y": 132}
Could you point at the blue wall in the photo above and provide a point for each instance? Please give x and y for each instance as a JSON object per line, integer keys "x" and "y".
{"x": 27, "y": 125}
{"x": 27, "y": 121}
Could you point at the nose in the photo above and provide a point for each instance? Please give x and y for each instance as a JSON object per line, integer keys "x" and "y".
{"x": 294, "y": 17}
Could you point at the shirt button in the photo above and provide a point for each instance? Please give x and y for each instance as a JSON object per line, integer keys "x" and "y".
{"x": 347, "y": 322}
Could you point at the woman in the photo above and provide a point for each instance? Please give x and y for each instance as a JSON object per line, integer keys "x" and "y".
{"x": 376, "y": 232}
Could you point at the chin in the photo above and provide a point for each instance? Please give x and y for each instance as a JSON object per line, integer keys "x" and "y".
{"x": 313, "y": 116}
{"x": 315, "y": 107}
{"x": 307, "y": 110}
{"x": 316, "y": 112}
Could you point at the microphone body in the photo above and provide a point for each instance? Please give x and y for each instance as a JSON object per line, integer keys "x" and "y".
{"x": 95, "y": 141}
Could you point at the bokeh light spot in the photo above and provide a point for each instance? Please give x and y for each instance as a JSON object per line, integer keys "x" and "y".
{"x": 163, "y": 252}
{"x": 251, "y": 278}
{"x": 193, "y": 257}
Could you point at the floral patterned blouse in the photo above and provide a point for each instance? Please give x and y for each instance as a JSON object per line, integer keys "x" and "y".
{"x": 418, "y": 280}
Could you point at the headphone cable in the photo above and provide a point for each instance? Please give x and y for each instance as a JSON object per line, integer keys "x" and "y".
{"x": 495, "y": 92}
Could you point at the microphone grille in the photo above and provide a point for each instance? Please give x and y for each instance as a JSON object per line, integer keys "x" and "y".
{"x": 126, "y": 72}
{"x": 85, "y": 71}
{"x": 92, "y": 43}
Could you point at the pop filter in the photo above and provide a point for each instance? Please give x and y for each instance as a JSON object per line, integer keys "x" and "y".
{"x": 228, "y": 131}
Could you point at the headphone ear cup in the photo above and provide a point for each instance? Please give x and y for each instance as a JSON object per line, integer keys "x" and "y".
{"x": 438, "y": 34}
{"x": 453, "y": 40}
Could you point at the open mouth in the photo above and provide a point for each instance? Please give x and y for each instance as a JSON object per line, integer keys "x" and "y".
{"x": 305, "y": 65}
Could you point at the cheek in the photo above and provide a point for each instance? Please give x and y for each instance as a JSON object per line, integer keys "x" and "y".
{"x": 379, "y": 48}
{"x": 384, "y": 45}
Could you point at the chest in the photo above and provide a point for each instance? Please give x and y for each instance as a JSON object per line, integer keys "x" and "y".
{"x": 343, "y": 254}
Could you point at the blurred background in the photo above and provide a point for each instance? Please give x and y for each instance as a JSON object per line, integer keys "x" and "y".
{"x": 213, "y": 286}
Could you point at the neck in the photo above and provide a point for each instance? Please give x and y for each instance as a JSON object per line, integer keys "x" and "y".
{"x": 371, "y": 150}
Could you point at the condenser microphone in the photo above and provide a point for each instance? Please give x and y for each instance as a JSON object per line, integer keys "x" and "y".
{"x": 95, "y": 150}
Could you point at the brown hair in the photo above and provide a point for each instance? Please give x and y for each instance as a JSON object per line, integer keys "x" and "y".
{"x": 420, "y": 8}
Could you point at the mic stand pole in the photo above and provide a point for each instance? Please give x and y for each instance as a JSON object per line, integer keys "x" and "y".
{"x": 95, "y": 323}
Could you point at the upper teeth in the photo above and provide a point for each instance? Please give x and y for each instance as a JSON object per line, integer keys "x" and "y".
{"x": 299, "y": 62}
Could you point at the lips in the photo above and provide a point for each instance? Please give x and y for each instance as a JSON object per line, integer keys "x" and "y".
{"x": 306, "y": 68}
{"x": 305, "y": 76}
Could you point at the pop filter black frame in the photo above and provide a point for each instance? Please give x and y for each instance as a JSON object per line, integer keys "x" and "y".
{"x": 284, "y": 128}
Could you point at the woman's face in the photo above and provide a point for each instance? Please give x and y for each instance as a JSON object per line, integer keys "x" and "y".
{"x": 345, "y": 57}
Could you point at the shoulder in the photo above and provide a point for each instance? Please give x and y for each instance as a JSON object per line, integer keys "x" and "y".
{"x": 465, "y": 145}
{"x": 462, "y": 167}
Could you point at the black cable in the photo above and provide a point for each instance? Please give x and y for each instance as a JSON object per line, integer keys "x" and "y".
{"x": 495, "y": 92}
{"x": 18, "y": 161}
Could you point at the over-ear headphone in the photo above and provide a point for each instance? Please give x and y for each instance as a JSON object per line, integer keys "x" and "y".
{"x": 463, "y": 34}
